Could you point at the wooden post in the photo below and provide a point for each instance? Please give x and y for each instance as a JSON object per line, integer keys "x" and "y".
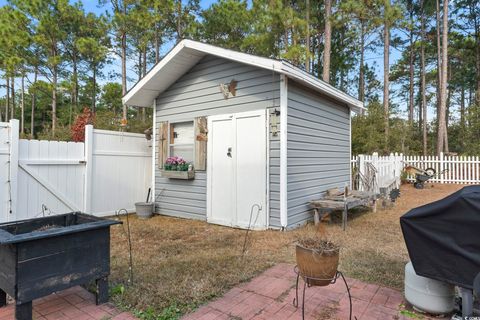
{"x": 88, "y": 153}
{"x": 13, "y": 168}
{"x": 23, "y": 311}
{"x": 162, "y": 143}
{"x": 3, "y": 298}
{"x": 102, "y": 291}
{"x": 345, "y": 208}
{"x": 316, "y": 216}
{"x": 201, "y": 143}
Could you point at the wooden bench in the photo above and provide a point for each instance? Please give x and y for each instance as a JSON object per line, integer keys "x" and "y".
{"x": 336, "y": 201}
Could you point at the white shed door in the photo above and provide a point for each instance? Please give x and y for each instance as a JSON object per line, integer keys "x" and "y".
{"x": 236, "y": 172}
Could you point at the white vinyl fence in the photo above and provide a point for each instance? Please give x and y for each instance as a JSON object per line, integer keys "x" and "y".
{"x": 449, "y": 169}
{"x": 374, "y": 173}
{"x": 109, "y": 171}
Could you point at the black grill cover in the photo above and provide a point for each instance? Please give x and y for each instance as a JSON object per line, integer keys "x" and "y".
{"x": 443, "y": 237}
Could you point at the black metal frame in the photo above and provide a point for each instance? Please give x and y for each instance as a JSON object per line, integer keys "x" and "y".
{"x": 307, "y": 279}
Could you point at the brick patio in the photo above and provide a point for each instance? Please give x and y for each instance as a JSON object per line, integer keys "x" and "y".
{"x": 270, "y": 296}
{"x": 75, "y": 303}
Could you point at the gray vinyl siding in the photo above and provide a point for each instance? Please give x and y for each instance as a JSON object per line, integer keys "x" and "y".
{"x": 318, "y": 149}
{"x": 195, "y": 94}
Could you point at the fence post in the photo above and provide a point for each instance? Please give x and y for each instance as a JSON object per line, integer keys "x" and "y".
{"x": 361, "y": 170}
{"x": 378, "y": 173}
{"x": 399, "y": 166}
{"x": 13, "y": 168}
{"x": 441, "y": 163}
{"x": 88, "y": 153}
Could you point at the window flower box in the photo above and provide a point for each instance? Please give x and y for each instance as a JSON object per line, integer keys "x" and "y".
{"x": 178, "y": 168}
{"x": 184, "y": 175}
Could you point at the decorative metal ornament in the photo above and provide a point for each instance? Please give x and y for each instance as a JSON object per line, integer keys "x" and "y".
{"x": 228, "y": 89}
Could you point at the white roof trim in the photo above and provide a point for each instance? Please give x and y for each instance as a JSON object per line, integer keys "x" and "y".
{"x": 141, "y": 93}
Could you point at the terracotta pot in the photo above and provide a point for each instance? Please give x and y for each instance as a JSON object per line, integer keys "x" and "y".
{"x": 317, "y": 264}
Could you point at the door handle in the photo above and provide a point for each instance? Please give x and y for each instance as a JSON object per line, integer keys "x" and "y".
{"x": 229, "y": 152}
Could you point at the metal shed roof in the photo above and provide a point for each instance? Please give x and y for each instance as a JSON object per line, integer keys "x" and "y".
{"x": 187, "y": 53}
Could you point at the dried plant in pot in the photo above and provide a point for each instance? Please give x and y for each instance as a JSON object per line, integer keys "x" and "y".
{"x": 317, "y": 259}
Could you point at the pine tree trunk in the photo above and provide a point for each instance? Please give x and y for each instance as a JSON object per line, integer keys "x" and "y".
{"x": 328, "y": 41}
{"x": 307, "y": 36}
{"x": 22, "y": 106}
{"x": 470, "y": 100}
{"x": 75, "y": 83}
{"x": 124, "y": 73}
{"x": 447, "y": 108}
{"x": 94, "y": 91}
{"x": 157, "y": 46}
{"x": 386, "y": 73}
{"x": 361, "y": 75}
{"x": 342, "y": 70}
{"x": 144, "y": 72}
{"x": 179, "y": 21}
{"x": 54, "y": 101}
{"x": 32, "y": 115}
{"x": 462, "y": 117}
{"x": 442, "y": 129}
{"x": 439, "y": 58}
{"x": 411, "y": 74}
{"x": 139, "y": 74}
{"x": 7, "y": 105}
{"x": 319, "y": 54}
{"x": 12, "y": 107}
{"x": 144, "y": 66}
{"x": 423, "y": 82}
{"x": 477, "y": 63}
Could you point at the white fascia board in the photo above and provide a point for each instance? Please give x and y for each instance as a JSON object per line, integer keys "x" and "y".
{"x": 283, "y": 150}
{"x": 261, "y": 62}
{"x": 297, "y": 74}
{"x": 148, "y": 77}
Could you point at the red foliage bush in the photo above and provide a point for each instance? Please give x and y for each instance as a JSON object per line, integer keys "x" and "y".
{"x": 78, "y": 127}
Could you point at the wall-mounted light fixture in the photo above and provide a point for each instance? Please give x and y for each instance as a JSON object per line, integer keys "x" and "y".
{"x": 274, "y": 122}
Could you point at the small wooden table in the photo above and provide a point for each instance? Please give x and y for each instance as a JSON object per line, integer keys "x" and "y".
{"x": 354, "y": 199}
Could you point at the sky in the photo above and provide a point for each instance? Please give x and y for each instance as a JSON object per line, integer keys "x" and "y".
{"x": 93, "y": 6}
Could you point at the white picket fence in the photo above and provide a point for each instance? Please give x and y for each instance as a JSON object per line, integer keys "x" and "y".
{"x": 109, "y": 171}
{"x": 378, "y": 172}
{"x": 449, "y": 169}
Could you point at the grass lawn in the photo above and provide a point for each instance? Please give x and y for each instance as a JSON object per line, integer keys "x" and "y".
{"x": 180, "y": 264}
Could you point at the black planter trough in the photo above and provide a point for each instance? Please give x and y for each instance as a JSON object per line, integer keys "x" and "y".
{"x": 45, "y": 255}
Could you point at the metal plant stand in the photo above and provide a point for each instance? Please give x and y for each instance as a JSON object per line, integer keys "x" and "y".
{"x": 306, "y": 281}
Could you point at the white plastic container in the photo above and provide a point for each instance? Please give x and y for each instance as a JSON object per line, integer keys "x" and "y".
{"x": 428, "y": 295}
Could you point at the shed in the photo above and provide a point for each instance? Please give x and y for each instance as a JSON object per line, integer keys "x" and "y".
{"x": 264, "y": 136}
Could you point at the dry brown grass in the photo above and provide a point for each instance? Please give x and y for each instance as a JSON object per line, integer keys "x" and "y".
{"x": 184, "y": 263}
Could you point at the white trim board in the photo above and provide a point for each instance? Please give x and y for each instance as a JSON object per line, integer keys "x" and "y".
{"x": 154, "y": 146}
{"x": 283, "y": 150}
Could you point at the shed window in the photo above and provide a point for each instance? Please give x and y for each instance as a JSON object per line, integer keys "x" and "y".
{"x": 182, "y": 142}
